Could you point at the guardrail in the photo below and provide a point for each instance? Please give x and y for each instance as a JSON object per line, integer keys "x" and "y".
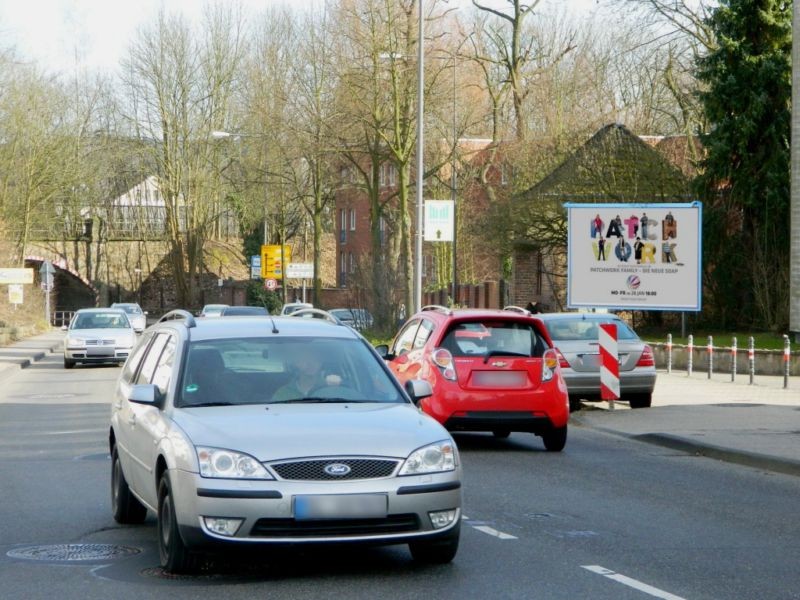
{"x": 728, "y": 359}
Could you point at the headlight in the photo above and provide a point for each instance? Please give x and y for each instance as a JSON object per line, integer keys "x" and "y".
{"x": 76, "y": 342}
{"x": 435, "y": 458}
{"x": 226, "y": 464}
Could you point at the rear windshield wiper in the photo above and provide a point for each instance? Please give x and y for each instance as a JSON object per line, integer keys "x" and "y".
{"x": 502, "y": 353}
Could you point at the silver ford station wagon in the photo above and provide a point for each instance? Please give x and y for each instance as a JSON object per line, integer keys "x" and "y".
{"x": 276, "y": 430}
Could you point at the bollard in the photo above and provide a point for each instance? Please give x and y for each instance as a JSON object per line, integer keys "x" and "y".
{"x": 710, "y": 350}
{"x": 690, "y": 349}
{"x": 751, "y": 357}
{"x": 669, "y": 353}
{"x": 733, "y": 360}
{"x": 787, "y": 353}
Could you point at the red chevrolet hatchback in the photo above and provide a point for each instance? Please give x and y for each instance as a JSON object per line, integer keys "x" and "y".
{"x": 490, "y": 370}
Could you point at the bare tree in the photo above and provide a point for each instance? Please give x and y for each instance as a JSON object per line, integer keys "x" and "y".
{"x": 179, "y": 91}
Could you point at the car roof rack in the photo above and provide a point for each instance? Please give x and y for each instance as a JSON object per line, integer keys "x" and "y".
{"x": 179, "y": 315}
{"x": 316, "y": 313}
{"x": 438, "y": 307}
{"x": 518, "y": 309}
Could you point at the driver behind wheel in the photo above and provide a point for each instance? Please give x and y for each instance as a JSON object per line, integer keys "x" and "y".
{"x": 308, "y": 375}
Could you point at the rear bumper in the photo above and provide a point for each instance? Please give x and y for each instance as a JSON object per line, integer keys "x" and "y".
{"x": 587, "y": 385}
{"x": 500, "y": 421}
{"x": 530, "y": 410}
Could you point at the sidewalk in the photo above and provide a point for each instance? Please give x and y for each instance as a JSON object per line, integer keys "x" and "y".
{"x": 22, "y": 354}
{"x": 756, "y": 425}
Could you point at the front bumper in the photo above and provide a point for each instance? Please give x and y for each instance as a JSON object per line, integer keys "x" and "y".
{"x": 267, "y": 509}
{"x": 97, "y": 355}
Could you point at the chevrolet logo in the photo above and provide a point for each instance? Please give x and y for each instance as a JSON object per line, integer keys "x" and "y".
{"x": 500, "y": 363}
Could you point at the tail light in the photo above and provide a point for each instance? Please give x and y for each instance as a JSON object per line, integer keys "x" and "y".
{"x": 444, "y": 360}
{"x": 562, "y": 362}
{"x": 646, "y": 359}
{"x": 550, "y": 361}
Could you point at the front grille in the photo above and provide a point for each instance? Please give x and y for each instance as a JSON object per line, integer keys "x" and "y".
{"x": 314, "y": 470}
{"x": 99, "y": 342}
{"x": 334, "y": 527}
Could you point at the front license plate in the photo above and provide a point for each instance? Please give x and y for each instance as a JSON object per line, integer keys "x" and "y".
{"x": 341, "y": 506}
{"x": 99, "y": 351}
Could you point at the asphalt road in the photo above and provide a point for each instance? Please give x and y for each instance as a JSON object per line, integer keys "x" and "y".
{"x": 609, "y": 518}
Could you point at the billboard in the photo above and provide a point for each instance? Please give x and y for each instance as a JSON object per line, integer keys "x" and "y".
{"x": 634, "y": 256}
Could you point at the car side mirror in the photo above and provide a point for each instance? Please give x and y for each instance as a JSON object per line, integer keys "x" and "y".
{"x": 383, "y": 352}
{"x": 145, "y": 393}
{"x": 418, "y": 389}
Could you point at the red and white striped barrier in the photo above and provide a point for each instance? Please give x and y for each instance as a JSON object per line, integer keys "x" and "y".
{"x": 609, "y": 369}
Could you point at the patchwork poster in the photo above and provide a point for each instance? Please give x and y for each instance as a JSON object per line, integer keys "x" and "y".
{"x": 634, "y": 256}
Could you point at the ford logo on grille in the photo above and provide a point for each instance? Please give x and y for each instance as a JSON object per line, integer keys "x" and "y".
{"x": 337, "y": 469}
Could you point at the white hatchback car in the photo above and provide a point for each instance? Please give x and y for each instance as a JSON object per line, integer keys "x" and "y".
{"x": 252, "y": 431}
{"x": 136, "y": 315}
{"x": 98, "y": 335}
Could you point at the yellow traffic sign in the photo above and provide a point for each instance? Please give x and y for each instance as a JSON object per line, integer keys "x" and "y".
{"x": 272, "y": 263}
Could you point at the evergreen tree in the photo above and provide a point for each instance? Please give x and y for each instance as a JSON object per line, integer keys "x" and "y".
{"x": 745, "y": 176}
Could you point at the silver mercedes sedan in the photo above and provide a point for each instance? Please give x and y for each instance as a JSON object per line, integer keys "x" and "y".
{"x": 259, "y": 430}
{"x": 576, "y": 337}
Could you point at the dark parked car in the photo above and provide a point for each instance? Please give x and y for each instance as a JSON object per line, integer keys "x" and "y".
{"x": 244, "y": 311}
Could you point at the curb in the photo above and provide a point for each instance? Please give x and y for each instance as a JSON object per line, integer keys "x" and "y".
{"x": 739, "y": 457}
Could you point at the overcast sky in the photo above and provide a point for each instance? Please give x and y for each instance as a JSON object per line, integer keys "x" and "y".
{"x": 95, "y": 33}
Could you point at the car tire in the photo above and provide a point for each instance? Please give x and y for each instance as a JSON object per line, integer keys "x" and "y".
{"x": 124, "y": 505}
{"x": 436, "y": 552}
{"x": 173, "y": 552}
{"x": 68, "y": 364}
{"x": 501, "y": 434}
{"x": 641, "y": 400}
{"x": 574, "y": 404}
{"x": 555, "y": 439}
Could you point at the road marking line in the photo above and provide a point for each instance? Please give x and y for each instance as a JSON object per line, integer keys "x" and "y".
{"x": 493, "y": 532}
{"x": 637, "y": 585}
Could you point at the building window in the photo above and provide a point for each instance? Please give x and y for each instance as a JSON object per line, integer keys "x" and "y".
{"x": 352, "y": 263}
{"x": 342, "y": 226}
{"x": 352, "y": 219}
{"x": 342, "y": 269}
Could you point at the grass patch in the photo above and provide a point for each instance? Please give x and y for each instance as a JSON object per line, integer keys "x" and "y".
{"x": 721, "y": 339}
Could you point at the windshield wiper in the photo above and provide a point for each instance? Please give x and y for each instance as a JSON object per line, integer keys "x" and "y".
{"x": 317, "y": 400}
{"x": 203, "y": 404}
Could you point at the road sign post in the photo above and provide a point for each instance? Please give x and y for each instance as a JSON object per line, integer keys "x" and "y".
{"x": 47, "y": 271}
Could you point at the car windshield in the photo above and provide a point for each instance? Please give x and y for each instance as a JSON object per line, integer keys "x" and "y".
{"x": 585, "y": 330}
{"x": 101, "y": 320}
{"x": 497, "y": 338}
{"x": 286, "y": 370}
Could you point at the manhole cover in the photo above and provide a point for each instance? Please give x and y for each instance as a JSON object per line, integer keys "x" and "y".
{"x": 73, "y": 552}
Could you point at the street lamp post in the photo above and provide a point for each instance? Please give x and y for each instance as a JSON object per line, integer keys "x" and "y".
{"x": 420, "y": 171}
